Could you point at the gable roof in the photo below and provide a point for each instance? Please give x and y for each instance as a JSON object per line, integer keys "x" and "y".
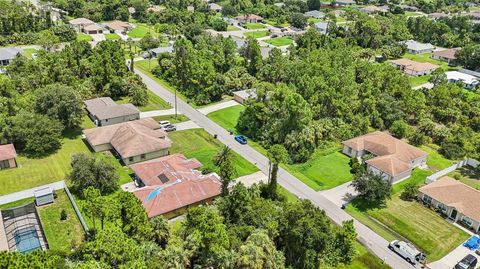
{"x": 92, "y": 27}
{"x": 465, "y": 78}
{"x": 80, "y": 21}
{"x": 9, "y": 53}
{"x": 117, "y": 25}
{"x": 448, "y": 53}
{"x": 131, "y": 138}
{"x": 413, "y": 65}
{"x": 183, "y": 185}
{"x": 105, "y": 108}
{"x": 393, "y": 155}
{"x": 314, "y": 13}
{"x": 7, "y": 152}
{"x": 249, "y": 17}
{"x": 454, "y": 193}
{"x": 418, "y": 46}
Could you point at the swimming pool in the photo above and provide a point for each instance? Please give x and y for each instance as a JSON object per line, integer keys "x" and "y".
{"x": 26, "y": 240}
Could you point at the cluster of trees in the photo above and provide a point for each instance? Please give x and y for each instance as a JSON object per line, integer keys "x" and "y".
{"x": 21, "y": 23}
{"x": 42, "y": 98}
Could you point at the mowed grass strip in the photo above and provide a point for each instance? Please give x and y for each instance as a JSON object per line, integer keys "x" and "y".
{"x": 61, "y": 235}
{"x": 255, "y": 26}
{"x": 84, "y": 37}
{"x": 227, "y": 117}
{"x": 435, "y": 160}
{"x": 256, "y": 34}
{"x": 280, "y": 41}
{"x": 197, "y": 143}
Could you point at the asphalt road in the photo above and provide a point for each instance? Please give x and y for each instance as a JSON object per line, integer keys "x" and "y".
{"x": 373, "y": 241}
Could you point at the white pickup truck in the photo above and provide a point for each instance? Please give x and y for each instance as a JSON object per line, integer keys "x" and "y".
{"x": 407, "y": 251}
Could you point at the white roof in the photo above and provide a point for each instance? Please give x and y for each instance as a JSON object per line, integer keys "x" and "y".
{"x": 465, "y": 78}
{"x": 314, "y": 13}
{"x": 245, "y": 94}
{"x": 43, "y": 192}
{"x": 9, "y": 53}
{"x": 417, "y": 46}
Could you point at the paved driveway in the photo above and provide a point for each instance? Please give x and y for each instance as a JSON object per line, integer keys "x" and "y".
{"x": 449, "y": 261}
{"x": 340, "y": 194}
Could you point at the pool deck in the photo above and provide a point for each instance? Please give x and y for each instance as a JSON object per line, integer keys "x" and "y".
{"x": 3, "y": 236}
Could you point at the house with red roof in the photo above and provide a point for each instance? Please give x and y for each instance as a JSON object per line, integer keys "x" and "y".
{"x": 171, "y": 184}
{"x": 7, "y": 156}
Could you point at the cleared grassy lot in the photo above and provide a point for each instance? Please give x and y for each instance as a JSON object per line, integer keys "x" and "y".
{"x": 280, "y": 41}
{"x": 254, "y": 26}
{"x": 141, "y": 30}
{"x": 154, "y": 102}
{"x": 197, "y": 143}
{"x": 172, "y": 119}
{"x": 232, "y": 28}
{"x": 435, "y": 160}
{"x": 411, "y": 220}
{"x": 112, "y": 36}
{"x": 84, "y": 37}
{"x": 227, "y": 117}
{"x": 256, "y": 34}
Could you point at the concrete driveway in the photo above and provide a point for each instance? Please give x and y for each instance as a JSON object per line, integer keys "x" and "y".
{"x": 215, "y": 107}
{"x": 449, "y": 261}
{"x": 186, "y": 125}
{"x": 340, "y": 194}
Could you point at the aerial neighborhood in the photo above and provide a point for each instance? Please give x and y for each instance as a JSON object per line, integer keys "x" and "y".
{"x": 311, "y": 134}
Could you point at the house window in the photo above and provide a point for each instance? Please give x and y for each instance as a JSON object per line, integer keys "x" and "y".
{"x": 349, "y": 150}
{"x": 441, "y": 207}
{"x": 130, "y": 159}
{"x": 4, "y": 164}
{"x": 467, "y": 221}
{"x": 142, "y": 156}
{"x": 427, "y": 199}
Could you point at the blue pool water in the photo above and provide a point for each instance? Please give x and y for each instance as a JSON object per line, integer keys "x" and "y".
{"x": 26, "y": 240}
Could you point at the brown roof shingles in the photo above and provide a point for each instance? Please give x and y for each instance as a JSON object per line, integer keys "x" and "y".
{"x": 7, "y": 152}
{"x": 185, "y": 185}
{"x": 454, "y": 193}
{"x": 447, "y": 54}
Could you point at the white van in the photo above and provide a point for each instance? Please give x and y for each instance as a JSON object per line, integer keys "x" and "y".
{"x": 407, "y": 251}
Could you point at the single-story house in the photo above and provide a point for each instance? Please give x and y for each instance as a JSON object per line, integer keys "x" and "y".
{"x": 413, "y": 68}
{"x": 437, "y": 15}
{"x": 321, "y": 27}
{"x": 215, "y": 7}
{"x": 393, "y": 159}
{"x": 344, "y": 3}
{"x": 156, "y": 51}
{"x": 8, "y": 54}
{"x": 454, "y": 199}
{"x": 408, "y": 8}
{"x": 171, "y": 184}
{"x": 132, "y": 141}
{"x": 118, "y": 26}
{"x": 468, "y": 81}
{"x": 104, "y": 111}
{"x": 249, "y": 18}
{"x": 314, "y": 14}
{"x": 447, "y": 55}
{"x": 7, "y": 156}
{"x": 241, "y": 96}
{"x": 373, "y": 9}
{"x": 80, "y": 23}
{"x": 93, "y": 29}
{"x": 415, "y": 47}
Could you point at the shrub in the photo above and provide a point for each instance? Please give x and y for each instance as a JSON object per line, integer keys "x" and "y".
{"x": 410, "y": 192}
{"x": 63, "y": 215}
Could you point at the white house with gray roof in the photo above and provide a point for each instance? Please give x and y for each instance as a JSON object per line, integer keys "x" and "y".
{"x": 104, "y": 111}
{"x": 415, "y": 47}
{"x": 314, "y": 14}
{"x": 8, "y": 54}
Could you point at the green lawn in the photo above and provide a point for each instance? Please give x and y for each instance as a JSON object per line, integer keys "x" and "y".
{"x": 326, "y": 169}
{"x": 84, "y": 37}
{"x": 254, "y": 26}
{"x": 197, "y": 143}
{"x": 61, "y": 235}
{"x": 411, "y": 220}
{"x": 280, "y": 41}
{"x": 426, "y": 58}
{"x": 172, "y": 119}
{"x": 28, "y": 52}
{"x": 412, "y": 13}
{"x": 112, "y": 36}
{"x": 232, "y": 28}
{"x": 256, "y": 34}
{"x": 313, "y": 20}
{"x": 274, "y": 22}
{"x": 435, "y": 160}
{"x": 467, "y": 176}
{"x": 364, "y": 260}
{"x": 141, "y": 30}
{"x": 124, "y": 172}
{"x": 154, "y": 102}
{"x": 417, "y": 81}
{"x": 227, "y": 117}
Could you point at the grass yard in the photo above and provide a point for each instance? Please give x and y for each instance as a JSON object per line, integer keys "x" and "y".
{"x": 412, "y": 13}
{"x": 232, "y": 28}
{"x": 426, "y": 58}
{"x": 197, "y": 143}
{"x": 326, "y": 169}
{"x": 417, "y": 81}
{"x": 313, "y": 20}
{"x": 227, "y": 117}
{"x": 172, "y": 119}
{"x": 256, "y": 34}
{"x": 467, "y": 176}
{"x": 274, "y": 22}
{"x": 435, "y": 160}
{"x": 28, "y": 52}
{"x": 112, "y": 36}
{"x": 254, "y": 26}
{"x": 123, "y": 172}
{"x": 139, "y": 31}
{"x": 154, "y": 102}
{"x": 411, "y": 220}
{"x": 364, "y": 260}
{"x": 61, "y": 235}
{"x": 84, "y": 37}
{"x": 280, "y": 41}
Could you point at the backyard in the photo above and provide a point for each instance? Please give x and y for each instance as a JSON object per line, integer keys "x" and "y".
{"x": 256, "y": 34}
{"x": 467, "y": 175}
{"x": 280, "y": 41}
{"x": 197, "y": 143}
{"x": 435, "y": 160}
{"x": 411, "y": 220}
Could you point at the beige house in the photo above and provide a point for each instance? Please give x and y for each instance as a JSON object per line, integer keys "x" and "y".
{"x": 104, "y": 111}
{"x": 393, "y": 159}
{"x": 455, "y": 200}
{"x": 118, "y": 26}
{"x": 132, "y": 141}
{"x": 7, "y": 156}
{"x": 413, "y": 68}
{"x": 447, "y": 55}
{"x": 85, "y": 25}
{"x": 249, "y": 18}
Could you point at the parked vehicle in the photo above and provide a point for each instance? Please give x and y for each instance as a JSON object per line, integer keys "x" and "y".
{"x": 468, "y": 262}
{"x": 407, "y": 251}
{"x": 164, "y": 123}
{"x": 169, "y": 128}
{"x": 241, "y": 139}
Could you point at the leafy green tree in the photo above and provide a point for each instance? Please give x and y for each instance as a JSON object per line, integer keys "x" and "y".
{"x": 218, "y": 24}
{"x": 253, "y": 55}
{"x": 92, "y": 207}
{"x": 298, "y": 20}
{"x": 148, "y": 42}
{"x": 259, "y": 252}
{"x": 48, "y": 40}
{"x": 277, "y": 154}
{"x": 227, "y": 170}
{"x": 469, "y": 56}
{"x": 438, "y": 77}
{"x": 372, "y": 188}
{"x": 343, "y": 250}
{"x": 410, "y": 191}
{"x": 95, "y": 172}
{"x": 160, "y": 230}
{"x": 138, "y": 95}
{"x": 452, "y": 150}
{"x": 60, "y": 102}
{"x": 133, "y": 218}
{"x": 400, "y": 129}
{"x": 313, "y": 4}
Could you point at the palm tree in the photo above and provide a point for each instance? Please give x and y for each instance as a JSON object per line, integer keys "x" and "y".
{"x": 222, "y": 155}
{"x": 276, "y": 154}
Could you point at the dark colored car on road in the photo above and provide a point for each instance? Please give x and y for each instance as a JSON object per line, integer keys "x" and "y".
{"x": 241, "y": 139}
{"x": 468, "y": 262}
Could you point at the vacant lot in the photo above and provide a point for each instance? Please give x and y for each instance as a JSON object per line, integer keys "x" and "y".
{"x": 411, "y": 220}
{"x": 256, "y": 34}
{"x": 140, "y": 31}
{"x": 197, "y": 143}
{"x": 154, "y": 102}
{"x": 326, "y": 169}
{"x": 227, "y": 117}
{"x": 280, "y": 41}
{"x": 254, "y": 26}
{"x": 112, "y": 36}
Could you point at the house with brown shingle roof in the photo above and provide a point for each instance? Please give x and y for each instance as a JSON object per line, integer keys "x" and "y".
{"x": 7, "y": 156}
{"x": 104, "y": 111}
{"x": 170, "y": 184}
{"x": 413, "y": 68}
{"x": 455, "y": 200}
{"x": 85, "y": 25}
{"x": 249, "y": 18}
{"x": 447, "y": 55}
{"x": 132, "y": 141}
{"x": 392, "y": 158}
{"x": 118, "y": 26}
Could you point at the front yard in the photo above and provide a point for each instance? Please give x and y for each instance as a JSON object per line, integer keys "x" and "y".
{"x": 256, "y": 34}
{"x": 254, "y": 26}
{"x": 141, "y": 30}
{"x": 280, "y": 41}
{"x": 112, "y": 36}
{"x": 84, "y": 37}
{"x": 197, "y": 143}
{"x": 411, "y": 220}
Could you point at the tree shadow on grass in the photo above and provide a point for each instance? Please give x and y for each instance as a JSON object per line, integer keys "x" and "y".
{"x": 365, "y": 206}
